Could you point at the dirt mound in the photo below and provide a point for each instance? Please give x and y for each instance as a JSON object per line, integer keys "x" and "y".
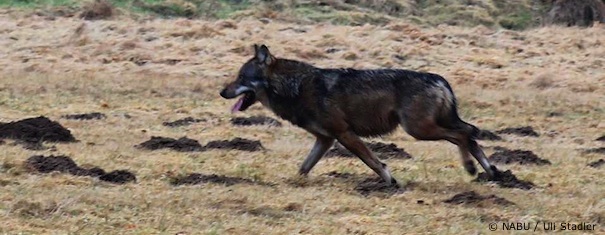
{"x": 255, "y": 120}
{"x": 183, "y": 122}
{"x": 471, "y": 197}
{"x": 52, "y": 163}
{"x": 65, "y": 164}
{"x": 597, "y": 164}
{"x": 521, "y": 157}
{"x": 602, "y": 138}
{"x": 196, "y": 178}
{"x": 500, "y": 148}
{"x": 377, "y": 187}
{"x": 97, "y": 10}
{"x": 119, "y": 177}
{"x": 520, "y": 131}
{"x": 92, "y": 172}
{"x": 600, "y": 150}
{"x": 36, "y": 130}
{"x": 576, "y": 12}
{"x": 85, "y": 116}
{"x": 505, "y": 179}
{"x": 382, "y": 151}
{"x": 183, "y": 144}
{"x": 488, "y": 135}
{"x": 236, "y": 144}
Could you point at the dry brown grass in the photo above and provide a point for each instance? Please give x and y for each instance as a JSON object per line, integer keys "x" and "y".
{"x": 154, "y": 72}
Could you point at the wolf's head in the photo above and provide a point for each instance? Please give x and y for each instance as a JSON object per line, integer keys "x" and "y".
{"x": 251, "y": 80}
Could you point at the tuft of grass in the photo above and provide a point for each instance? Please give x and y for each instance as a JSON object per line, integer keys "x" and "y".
{"x": 458, "y": 15}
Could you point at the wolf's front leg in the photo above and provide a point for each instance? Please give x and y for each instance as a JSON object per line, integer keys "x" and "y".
{"x": 321, "y": 146}
{"x": 354, "y": 144}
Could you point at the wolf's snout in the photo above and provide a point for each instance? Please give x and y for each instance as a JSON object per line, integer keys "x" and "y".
{"x": 228, "y": 93}
{"x": 224, "y": 94}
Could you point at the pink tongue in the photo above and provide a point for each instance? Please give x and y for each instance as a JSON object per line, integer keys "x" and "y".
{"x": 237, "y": 105}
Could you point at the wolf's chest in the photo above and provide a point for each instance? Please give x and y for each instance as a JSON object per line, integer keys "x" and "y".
{"x": 291, "y": 110}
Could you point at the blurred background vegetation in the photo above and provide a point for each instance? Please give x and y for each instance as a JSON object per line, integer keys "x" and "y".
{"x": 508, "y": 14}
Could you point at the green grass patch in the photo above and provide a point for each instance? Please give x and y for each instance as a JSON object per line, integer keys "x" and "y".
{"x": 36, "y": 3}
{"x": 516, "y": 20}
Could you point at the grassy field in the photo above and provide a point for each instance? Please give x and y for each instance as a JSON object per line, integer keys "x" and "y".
{"x": 143, "y": 72}
{"x": 519, "y": 14}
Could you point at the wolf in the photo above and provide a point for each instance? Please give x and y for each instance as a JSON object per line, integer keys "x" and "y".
{"x": 346, "y": 104}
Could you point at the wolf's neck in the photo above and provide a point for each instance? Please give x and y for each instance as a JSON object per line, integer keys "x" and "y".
{"x": 287, "y": 77}
{"x": 289, "y": 64}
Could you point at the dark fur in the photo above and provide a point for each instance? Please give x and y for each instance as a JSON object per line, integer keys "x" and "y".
{"x": 345, "y": 104}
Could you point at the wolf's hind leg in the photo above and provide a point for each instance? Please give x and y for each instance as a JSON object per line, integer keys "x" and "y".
{"x": 467, "y": 145}
{"x": 463, "y": 137}
{"x": 321, "y": 146}
{"x": 480, "y": 156}
{"x": 467, "y": 162}
{"x": 354, "y": 144}
{"x": 429, "y": 130}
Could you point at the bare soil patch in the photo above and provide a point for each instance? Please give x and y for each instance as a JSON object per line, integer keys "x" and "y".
{"x": 65, "y": 164}
{"x": 488, "y": 135}
{"x": 369, "y": 185}
{"x": 52, "y": 163}
{"x": 185, "y": 144}
{"x": 597, "y": 164}
{"x": 196, "y": 178}
{"x": 382, "y": 150}
{"x": 36, "y": 130}
{"x": 255, "y": 120}
{"x": 520, "y": 131}
{"x": 602, "y": 138}
{"x": 377, "y": 187}
{"x": 505, "y": 179}
{"x": 600, "y": 150}
{"x": 236, "y": 144}
{"x": 473, "y": 198}
{"x": 183, "y": 122}
{"x": 85, "y": 116}
{"x": 119, "y": 177}
{"x": 182, "y": 144}
{"x": 521, "y": 157}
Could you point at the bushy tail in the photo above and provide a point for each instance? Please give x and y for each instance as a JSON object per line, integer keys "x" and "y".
{"x": 475, "y": 133}
{"x": 449, "y": 117}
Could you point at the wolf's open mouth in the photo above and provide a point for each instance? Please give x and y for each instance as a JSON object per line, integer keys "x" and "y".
{"x": 244, "y": 102}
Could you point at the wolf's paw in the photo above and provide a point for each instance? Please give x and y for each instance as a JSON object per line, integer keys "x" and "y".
{"x": 494, "y": 173}
{"x": 470, "y": 168}
{"x": 394, "y": 183}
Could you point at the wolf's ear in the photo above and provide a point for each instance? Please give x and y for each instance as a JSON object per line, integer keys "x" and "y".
{"x": 255, "y": 49}
{"x": 263, "y": 55}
